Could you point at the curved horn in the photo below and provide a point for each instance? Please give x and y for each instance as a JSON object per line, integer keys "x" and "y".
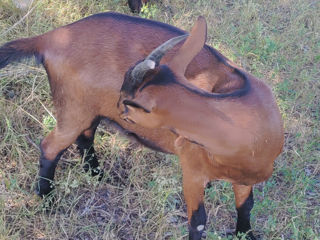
{"x": 160, "y": 51}
{"x": 154, "y": 58}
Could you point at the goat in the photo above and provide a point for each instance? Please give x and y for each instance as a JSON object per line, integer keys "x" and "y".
{"x": 85, "y": 62}
{"x": 234, "y": 134}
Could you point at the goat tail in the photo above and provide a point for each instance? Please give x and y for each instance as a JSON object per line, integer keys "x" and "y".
{"x": 19, "y": 49}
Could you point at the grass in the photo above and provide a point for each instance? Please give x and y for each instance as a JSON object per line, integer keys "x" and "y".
{"x": 141, "y": 195}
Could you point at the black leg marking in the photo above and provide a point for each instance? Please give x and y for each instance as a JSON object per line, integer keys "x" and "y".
{"x": 135, "y": 5}
{"x": 197, "y": 223}
{"x": 45, "y": 183}
{"x": 243, "y": 221}
{"x": 85, "y": 146}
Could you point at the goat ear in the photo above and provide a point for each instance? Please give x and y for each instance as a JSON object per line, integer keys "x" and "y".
{"x": 191, "y": 47}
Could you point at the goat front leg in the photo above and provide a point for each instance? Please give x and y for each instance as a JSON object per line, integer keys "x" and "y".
{"x": 85, "y": 146}
{"x": 194, "y": 183}
{"x": 193, "y": 188}
{"x": 197, "y": 217}
{"x": 193, "y": 162}
{"x": 244, "y": 203}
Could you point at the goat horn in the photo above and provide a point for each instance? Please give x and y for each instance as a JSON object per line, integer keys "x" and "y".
{"x": 154, "y": 58}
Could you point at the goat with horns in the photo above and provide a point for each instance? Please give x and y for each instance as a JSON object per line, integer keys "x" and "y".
{"x": 86, "y": 61}
{"x": 234, "y": 134}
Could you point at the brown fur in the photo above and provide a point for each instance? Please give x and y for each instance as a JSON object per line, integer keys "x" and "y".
{"x": 233, "y": 138}
{"x": 86, "y": 61}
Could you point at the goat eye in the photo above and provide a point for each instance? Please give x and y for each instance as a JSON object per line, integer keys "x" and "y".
{"x": 135, "y": 105}
{"x": 131, "y": 103}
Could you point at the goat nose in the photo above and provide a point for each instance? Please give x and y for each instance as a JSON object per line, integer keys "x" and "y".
{"x": 124, "y": 113}
{"x": 124, "y": 116}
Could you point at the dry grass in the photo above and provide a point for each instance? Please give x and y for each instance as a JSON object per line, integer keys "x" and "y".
{"x": 141, "y": 196}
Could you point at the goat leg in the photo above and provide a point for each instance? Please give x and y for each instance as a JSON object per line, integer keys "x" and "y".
{"x": 54, "y": 144}
{"x": 244, "y": 204}
{"x": 193, "y": 187}
{"x": 86, "y": 148}
{"x": 45, "y": 183}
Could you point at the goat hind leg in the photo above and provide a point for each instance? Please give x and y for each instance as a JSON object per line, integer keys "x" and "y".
{"x": 52, "y": 147}
{"x": 85, "y": 144}
{"x": 244, "y": 204}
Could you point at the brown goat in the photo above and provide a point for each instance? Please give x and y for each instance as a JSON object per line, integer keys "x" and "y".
{"x": 237, "y": 133}
{"x": 85, "y": 62}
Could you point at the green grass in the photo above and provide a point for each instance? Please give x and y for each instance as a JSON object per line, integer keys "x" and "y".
{"x": 140, "y": 196}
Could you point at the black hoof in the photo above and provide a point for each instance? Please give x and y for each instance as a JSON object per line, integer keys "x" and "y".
{"x": 195, "y": 235}
{"x": 44, "y": 187}
{"x": 97, "y": 172}
{"x": 249, "y": 235}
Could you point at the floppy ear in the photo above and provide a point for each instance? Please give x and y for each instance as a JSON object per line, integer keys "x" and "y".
{"x": 191, "y": 47}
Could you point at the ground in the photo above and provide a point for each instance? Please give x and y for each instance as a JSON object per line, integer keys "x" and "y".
{"x": 140, "y": 196}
